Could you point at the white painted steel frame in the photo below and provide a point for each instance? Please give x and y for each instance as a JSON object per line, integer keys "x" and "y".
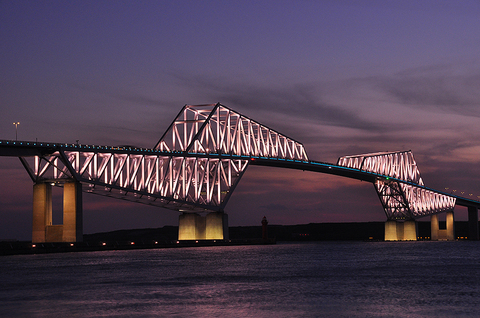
{"x": 400, "y": 200}
{"x": 400, "y": 165}
{"x": 181, "y": 173}
{"x": 175, "y": 182}
{"x": 215, "y": 128}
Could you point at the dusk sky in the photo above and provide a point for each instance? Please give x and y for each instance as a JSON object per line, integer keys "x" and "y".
{"x": 342, "y": 77}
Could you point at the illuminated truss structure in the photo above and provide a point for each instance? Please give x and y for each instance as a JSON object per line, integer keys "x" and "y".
{"x": 195, "y": 166}
{"x": 202, "y": 156}
{"x": 215, "y": 128}
{"x": 171, "y": 181}
{"x": 401, "y": 190}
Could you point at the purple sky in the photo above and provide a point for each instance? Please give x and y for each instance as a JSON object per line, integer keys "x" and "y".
{"x": 343, "y": 77}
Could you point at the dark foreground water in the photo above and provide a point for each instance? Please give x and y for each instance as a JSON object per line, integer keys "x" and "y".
{"x": 352, "y": 279}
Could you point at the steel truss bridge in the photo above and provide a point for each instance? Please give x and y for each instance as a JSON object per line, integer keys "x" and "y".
{"x": 199, "y": 160}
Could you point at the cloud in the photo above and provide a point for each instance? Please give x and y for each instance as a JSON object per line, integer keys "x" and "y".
{"x": 295, "y": 101}
{"x": 435, "y": 88}
{"x": 402, "y": 111}
{"x": 274, "y": 207}
{"x": 464, "y": 154}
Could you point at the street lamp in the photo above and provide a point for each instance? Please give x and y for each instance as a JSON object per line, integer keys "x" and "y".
{"x": 16, "y": 129}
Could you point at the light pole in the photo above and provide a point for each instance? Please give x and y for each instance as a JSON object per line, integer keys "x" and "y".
{"x": 16, "y": 129}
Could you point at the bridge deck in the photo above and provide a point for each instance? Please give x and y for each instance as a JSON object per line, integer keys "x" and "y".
{"x": 29, "y": 149}
{"x": 351, "y": 173}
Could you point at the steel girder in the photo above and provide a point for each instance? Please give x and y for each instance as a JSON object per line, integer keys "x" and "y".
{"x": 405, "y": 199}
{"x": 182, "y": 183}
{"x": 190, "y": 169}
{"x": 399, "y": 165}
{"x": 215, "y": 128}
{"x": 200, "y": 159}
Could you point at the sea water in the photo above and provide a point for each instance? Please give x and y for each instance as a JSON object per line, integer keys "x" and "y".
{"x": 321, "y": 279}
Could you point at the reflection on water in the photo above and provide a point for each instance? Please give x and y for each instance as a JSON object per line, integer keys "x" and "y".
{"x": 353, "y": 279}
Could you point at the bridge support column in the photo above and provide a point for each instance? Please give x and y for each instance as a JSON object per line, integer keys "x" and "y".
{"x": 213, "y": 226}
{"x": 473, "y": 223}
{"x": 450, "y": 226}
{"x": 72, "y": 212}
{"x": 191, "y": 226}
{"x": 42, "y": 211}
{"x": 434, "y": 227}
{"x": 72, "y": 228}
{"x": 391, "y": 231}
{"x": 400, "y": 231}
{"x": 447, "y": 234}
{"x": 216, "y": 226}
{"x": 410, "y": 230}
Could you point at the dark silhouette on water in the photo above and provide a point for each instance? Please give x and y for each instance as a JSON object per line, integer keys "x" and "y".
{"x": 166, "y": 237}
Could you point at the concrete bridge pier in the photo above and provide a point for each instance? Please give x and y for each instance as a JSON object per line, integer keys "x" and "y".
{"x": 72, "y": 228}
{"x": 400, "y": 231}
{"x": 473, "y": 223}
{"x": 213, "y": 226}
{"x": 438, "y": 234}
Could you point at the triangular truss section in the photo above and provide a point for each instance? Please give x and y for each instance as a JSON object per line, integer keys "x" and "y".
{"x": 195, "y": 166}
{"x": 176, "y": 182}
{"x": 201, "y": 157}
{"x": 402, "y": 200}
{"x": 399, "y": 165}
{"x": 217, "y": 129}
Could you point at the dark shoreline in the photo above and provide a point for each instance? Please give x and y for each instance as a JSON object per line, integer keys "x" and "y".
{"x": 22, "y": 248}
{"x": 166, "y": 237}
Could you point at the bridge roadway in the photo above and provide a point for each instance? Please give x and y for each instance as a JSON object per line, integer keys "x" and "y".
{"x": 351, "y": 173}
{"x": 29, "y": 148}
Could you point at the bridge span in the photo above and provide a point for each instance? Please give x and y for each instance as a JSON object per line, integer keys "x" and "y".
{"x": 352, "y": 173}
{"x": 195, "y": 167}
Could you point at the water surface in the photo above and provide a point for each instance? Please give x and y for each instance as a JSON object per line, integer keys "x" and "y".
{"x": 323, "y": 279}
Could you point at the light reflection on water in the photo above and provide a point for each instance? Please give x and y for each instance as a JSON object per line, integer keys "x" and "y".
{"x": 329, "y": 279}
